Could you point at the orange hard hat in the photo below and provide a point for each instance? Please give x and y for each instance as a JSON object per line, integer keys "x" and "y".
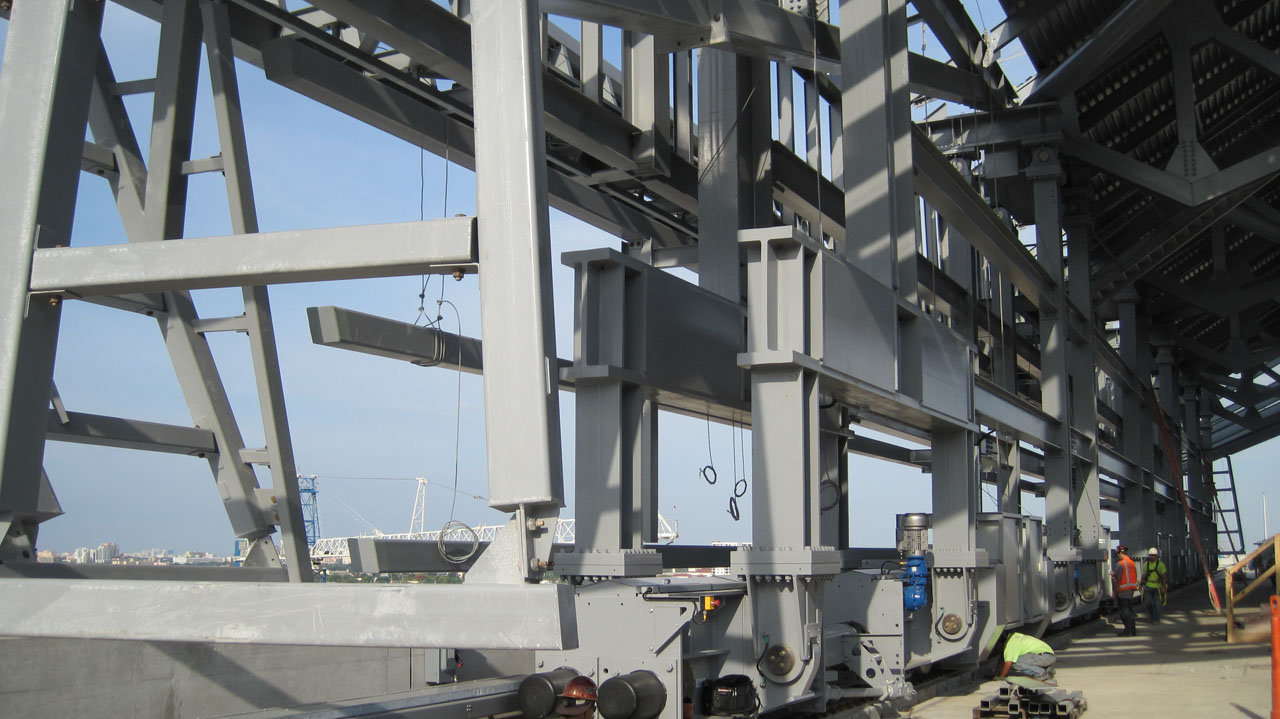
{"x": 580, "y": 688}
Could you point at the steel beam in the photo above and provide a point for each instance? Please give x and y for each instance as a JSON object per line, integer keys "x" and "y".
{"x": 138, "y": 572}
{"x": 522, "y": 407}
{"x": 44, "y": 90}
{"x": 257, "y": 320}
{"x": 1114, "y": 36}
{"x": 1229, "y": 37}
{"x": 1060, "y": 510}
{"x": 327, "y": 81}
{"x": 998, "y": 408}
{"x": 744, "y": 27}
{"x": 476, "y": 698}
{"x": 1165, "y": 184}
{"x": 968, "y": 47}
{"x": 103, "y": 431}
{"x": 939, "y": 80}
{"x": 875, "y": 103}
{"x": 980, "y": 131}
{"x": 409, "y": 248}
{"x": 1019, "y": 22}
{"x": 939, "y": 183}
{"x": 468, "y": 615}
{"x": 1260, "y": 431}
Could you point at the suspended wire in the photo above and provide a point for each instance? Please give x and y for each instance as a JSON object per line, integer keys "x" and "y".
{"x": 422, "y": 200}
{"x": 352, "y": 511}
{"x": 708, "y": 472}
{"x": 422, "y": 312}
{"x": 725, "y": 140}
{"x": 457, "y": 414}
{"x": 742, "y": 446}
{"x": 445, "y": 210}
{"x": 738, "y": 435}
{"x": 404, "y": 479}
{"x": 453, "y": 524}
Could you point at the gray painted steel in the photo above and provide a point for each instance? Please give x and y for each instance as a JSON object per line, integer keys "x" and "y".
{"x": 436, "y": 246}
{"x": 472, "y": 615}
{"x": 875, "y": 278}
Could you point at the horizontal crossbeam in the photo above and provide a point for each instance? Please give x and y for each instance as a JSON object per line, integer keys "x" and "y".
{"x": 535, "y": 616}
{"x": 130, "y": 434}
{"x": 268, "y": 258}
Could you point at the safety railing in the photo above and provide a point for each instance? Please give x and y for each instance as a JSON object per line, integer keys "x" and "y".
{"x": 1272, "y": 546}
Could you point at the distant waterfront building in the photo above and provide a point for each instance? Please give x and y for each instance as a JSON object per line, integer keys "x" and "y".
{"x": 106, "y": 553}
{"x": 46, "y": 556}
{"x": 83, "y": 555}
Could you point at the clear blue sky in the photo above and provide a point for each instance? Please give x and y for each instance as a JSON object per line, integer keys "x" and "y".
{"x": 352, "y": 415}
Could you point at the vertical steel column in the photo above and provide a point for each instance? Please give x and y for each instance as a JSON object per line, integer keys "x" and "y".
{"x": 955, "y": 494}
{"x": 1084, "y": 379}
{"x": 812, "y": 125}
{"x": 1196, "y": 490}
{"x": 1137, "y": 512}
{"x": 522, "y": 407}
{"x": 1004, "y": 372}
{"x": 1045, "y": 173}
{"x": 786, "y": 105}
{"x": 44, "y": 102}
{"x": 591, "y": 61}
{"x": 785, "y": 502}
{"x": 1204, "y": 432}
{"x": 1172, "y": 521}
{"x": 1086, "y": 499}
{"x": 609, "y": 458}
{"x": 876, "y": 109}
{"x": 786, "y": 459}
{"x": 833, "y": 487}
{"x": 682, "y": 75}
{"x": 257, "y": 303}
{"x": 647, "y": 82}
{"x": 733, "y": 193}
{"x": 718, "y": 163}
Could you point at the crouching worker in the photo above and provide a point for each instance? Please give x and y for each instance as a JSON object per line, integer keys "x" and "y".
{"x": 1028, "y": 657}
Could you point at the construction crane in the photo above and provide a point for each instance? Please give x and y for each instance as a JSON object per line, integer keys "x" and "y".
{"x": 310, "y": 508}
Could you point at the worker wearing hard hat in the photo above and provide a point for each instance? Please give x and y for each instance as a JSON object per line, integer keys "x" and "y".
{"x": 1155, "y": 584}
{"x": 1125, "y": 577}
{"x": 578, "y": 700}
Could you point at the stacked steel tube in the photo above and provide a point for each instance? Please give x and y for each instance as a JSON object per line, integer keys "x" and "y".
{"x": 1011, "y": 701}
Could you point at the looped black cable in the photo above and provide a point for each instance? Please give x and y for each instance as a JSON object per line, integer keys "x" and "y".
{"x": 733, "y": 509}
{"x": 835, "y": 500}
{"x": 708, "y": 473}
{"x": 740, "y": 487}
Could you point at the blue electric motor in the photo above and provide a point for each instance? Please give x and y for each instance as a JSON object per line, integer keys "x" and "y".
{"x": 913, "y": 543}
{"x": 915, "y": 584}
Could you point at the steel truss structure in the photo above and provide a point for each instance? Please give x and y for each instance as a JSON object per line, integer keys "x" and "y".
{"x": 869, "y": 275}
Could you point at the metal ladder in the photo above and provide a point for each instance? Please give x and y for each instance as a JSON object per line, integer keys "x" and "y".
{"x": 1225, "y": 502}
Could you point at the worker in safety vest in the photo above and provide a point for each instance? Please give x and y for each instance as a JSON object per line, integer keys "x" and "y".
{"x": 1155, "y": 584}
{"x": 1029, "y": 657}
{"x": 1124, "y": 578}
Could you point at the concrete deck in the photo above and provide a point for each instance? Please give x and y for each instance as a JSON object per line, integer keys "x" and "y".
{"x": 1182, "y": 667}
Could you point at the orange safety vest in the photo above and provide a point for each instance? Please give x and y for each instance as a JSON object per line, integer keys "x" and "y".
{"x": 1128, "y": 575}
